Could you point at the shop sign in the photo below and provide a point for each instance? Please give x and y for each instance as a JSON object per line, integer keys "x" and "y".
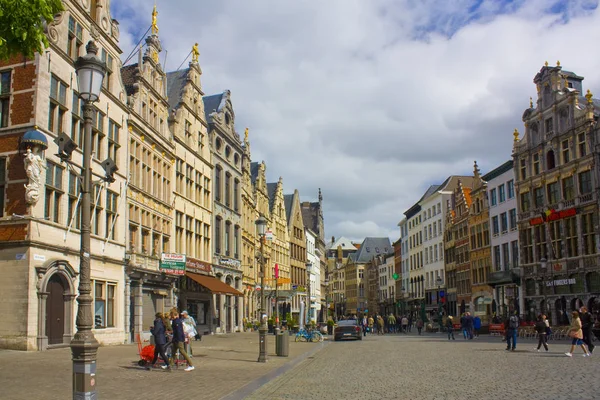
{"x": 553, "y": 216}
{"x": 230, "y": 262}
{"x": 561, "y": 282}
{"x": 172, "y": 264}
{"x": 196, "y": 266}
{"x": 269, "y": 235}
{"x": 560, "y": 266}
{"x": 488, "y": 300}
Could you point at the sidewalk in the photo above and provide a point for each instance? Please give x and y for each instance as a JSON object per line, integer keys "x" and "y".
{"x": 224, "y": 364}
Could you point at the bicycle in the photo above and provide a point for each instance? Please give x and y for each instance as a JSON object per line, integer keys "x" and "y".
{"x": 304, "y": 335}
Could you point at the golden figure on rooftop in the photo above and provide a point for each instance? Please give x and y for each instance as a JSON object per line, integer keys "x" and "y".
{"x": 195, "y": 53}
{"x": 154, "y": 25}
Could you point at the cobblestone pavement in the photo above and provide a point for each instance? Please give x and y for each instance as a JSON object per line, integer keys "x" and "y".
{"x": 430, "y": 367}
{"x": 224, "y": 364}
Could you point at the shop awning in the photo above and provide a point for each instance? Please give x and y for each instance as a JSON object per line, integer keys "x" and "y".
{"x": 213, "y": 284}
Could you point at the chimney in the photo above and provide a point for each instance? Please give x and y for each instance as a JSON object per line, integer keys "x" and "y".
{"x": 332, "y": 239}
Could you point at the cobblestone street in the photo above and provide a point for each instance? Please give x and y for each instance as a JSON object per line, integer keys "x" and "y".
{"x": 430, "y": 367}
{"x": 224, "y": 364}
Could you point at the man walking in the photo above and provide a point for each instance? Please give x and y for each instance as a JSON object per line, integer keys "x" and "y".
{"x": 404, "y": 324}
{"x": 179, "y": 339}
{"x": 586, "y": 326}
{"x": 511, "y": 326}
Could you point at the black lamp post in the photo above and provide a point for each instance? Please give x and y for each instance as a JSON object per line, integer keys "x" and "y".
{"x": 261, "y": 225}
{"x": 544, "y": 265}
{"x": 84, "y": 346}
{"x": 439, "y": 282}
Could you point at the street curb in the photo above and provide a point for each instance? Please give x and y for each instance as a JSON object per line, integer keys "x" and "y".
{"x": 254, "y": 385}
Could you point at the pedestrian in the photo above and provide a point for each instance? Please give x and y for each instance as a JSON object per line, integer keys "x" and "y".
{"x": 511, "y": 326}
{"x": 371, "y": 323}
{"x": 179, "y": 339}
{"x": 450, "y": 327}
{"x": 540, "y": 328}
{"x": 392, "y": 323}
{"x": 365, "y": 325}
{"x": 419, "y": 325}
{"x": 410, "y": 323}
{"x": 380, "y": 325}
{"x": 576, "y": 334}
{"x": 404, "y": 324}
{"x": 476, "y": 326}
{"x": 189, "y": 328}
{"x": 469, "y": 325}
{"x": 463, "y": 325}
{"x": 586, "y": 326}
{"x": 158, "y": 330}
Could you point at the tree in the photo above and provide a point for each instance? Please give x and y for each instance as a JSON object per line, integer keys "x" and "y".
{"x": 22, "y": 26}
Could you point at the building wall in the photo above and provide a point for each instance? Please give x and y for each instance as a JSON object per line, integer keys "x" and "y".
{"x": 433, "y": 244}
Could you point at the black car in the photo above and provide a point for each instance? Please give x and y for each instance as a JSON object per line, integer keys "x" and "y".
{"x": 347, "y": 329}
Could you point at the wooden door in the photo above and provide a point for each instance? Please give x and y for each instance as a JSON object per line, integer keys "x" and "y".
{"x": 55, "y": 311}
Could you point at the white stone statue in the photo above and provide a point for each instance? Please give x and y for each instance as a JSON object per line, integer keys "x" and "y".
{"x": 34, "y": 164}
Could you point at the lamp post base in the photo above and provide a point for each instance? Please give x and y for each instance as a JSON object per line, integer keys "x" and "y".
{"x": 262, "y": 342}
{"x": 84, "y": 350}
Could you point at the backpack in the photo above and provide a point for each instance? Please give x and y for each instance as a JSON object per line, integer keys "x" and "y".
{"x": 513, "y": 322}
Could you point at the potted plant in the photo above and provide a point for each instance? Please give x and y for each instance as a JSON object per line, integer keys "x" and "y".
{"x": 271, "y": 324}
{"x": 330, "y": 325}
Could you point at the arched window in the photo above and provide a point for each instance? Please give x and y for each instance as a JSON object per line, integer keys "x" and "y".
{"x": 228, "y": 189}
{"x": 218, "y": 227}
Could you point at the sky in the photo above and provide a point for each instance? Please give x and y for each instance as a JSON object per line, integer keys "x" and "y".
{"x": 372, "y": 101}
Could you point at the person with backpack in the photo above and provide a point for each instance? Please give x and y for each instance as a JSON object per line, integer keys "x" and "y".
{"x": 476, "y": 326}
{"x": 541, "y": 329}
{"x": 512, "y": 325}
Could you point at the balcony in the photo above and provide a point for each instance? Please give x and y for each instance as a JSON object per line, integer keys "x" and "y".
{"x": 585, "y": 198}
{"x": 144, "y": 261}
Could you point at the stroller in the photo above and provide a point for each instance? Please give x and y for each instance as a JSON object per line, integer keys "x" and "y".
{"x": 146, "y": 353}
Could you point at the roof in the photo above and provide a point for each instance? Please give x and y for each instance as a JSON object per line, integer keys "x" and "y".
{"x": 452, "y": 182}
{"x": 507, "y": 166}
{"x": 128, "y": 74}
{"x": 431, "y": 190}
{"x": 175, "y": 83}
{"x": 372, "y": 247}
{"x": 341, "y": 241}
{"x": 310, "y": 215}
{"x": 214, "y": 102}
{"x": 288, "y": 200}
{"x": 271, "y": 190}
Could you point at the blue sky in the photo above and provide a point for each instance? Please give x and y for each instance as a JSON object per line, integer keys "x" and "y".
{"x": 373, "y": 101}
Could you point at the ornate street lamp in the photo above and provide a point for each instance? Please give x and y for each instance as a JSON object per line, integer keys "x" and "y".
{"x": 84, "y": 346}
{"x": 261, "y": 228}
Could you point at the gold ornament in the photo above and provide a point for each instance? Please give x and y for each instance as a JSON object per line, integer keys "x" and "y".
{"x": 154, "y": 25}
{"x": 588, "y": 96}
{"x": 195, "y": 53}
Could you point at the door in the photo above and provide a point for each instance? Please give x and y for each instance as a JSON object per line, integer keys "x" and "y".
{"x": 55, "y": 310}
{"x": 228, "y": 327}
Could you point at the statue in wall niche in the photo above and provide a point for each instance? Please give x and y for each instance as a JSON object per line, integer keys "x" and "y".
{"x": 34, "y": 165}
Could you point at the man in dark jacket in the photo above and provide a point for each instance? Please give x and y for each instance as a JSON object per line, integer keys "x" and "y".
{"x": 587, "y": 324}
{"x": 179, "y": 339}
{"x": 160, "y": 340}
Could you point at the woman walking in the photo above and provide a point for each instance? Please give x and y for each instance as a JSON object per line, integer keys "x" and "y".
{"x": 540, "y": 328}
{"x": 576, "y": 334}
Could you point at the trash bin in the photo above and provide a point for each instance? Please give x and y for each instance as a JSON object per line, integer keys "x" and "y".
{"x": 282, "y": 344}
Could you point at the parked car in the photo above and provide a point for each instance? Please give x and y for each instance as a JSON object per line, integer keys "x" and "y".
{"x": 347, "y": 329}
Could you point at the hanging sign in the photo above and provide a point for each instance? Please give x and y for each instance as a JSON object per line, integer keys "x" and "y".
{"x": 172, "y": 264}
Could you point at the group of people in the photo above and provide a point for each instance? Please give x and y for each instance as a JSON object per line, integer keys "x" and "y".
{"x": 177, "y": 330}
{"x": 382, "y": 324}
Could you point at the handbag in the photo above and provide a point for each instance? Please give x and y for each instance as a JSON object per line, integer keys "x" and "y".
{"x": 573, "y": 335}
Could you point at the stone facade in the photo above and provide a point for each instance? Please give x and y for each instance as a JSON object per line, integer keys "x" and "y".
{"x": 298, "y": 254}
{"x": 40, "y": 241}
{"x": 556, "y": 172}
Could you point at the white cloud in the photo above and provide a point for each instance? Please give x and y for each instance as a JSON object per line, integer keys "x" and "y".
{"x": 373, "y": 101}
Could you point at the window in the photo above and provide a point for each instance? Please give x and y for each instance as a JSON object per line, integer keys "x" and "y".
{"x": 189, "y": 181}
{"x": 495, "y": 226}
{"x": 77, "y": 125}
{"x": 96, "y": 208}
{"x": 218, "y": 227}
{"x": 111, "y": 214}
{"x": 104, "y": 304}
{"x": 550, "y": 160}
{"x": 228, "y": 189}
{"x": 536, "y": 164}
{"x": 585, "y": 182}
{"x": 503, "y": 222}
{"x": 568, "y": 188}
{"x": 514, "y": 250}
{"x": 553, "y": 193}
{"x": 113, "y": 140}
{"x": 75, "y": 39}
{"x": 4, "y": 98}
{"x": 486, "y": 233}
{"x": 512, "y": 218}
{"x": 108, "y": 59}
{"x": 493, "y": 197}
{"x": 54, "y": 192}
{"x": 98, "y": 136}
{"x": 179, "y": 239}
{"x": 589, "y": 235}
{"x": 511, "y": 188}
{"x": 540, "y": 242}
{"x": 505, "y": 257}
{"x": 527, "y": 242}
{"x": 538, "y": 197}
{"x": 179, "y": 176}
{"x": 58, "y": 105}
{"x": 549, "y": 126}
{"x": 523, "y": 168}
{"x": 2, "y": 184}
{"x": 74, "y": 217}
{"x": 581, "y": 145}
{"x": 556, "y": 239}
{"x": 236, "y": 194}
{"x": 227, "y": 238}
{"x": 566, "y": 157}
{"x": 571, "y": 236}
{"x": 218, "y": 172}
{"x": 497, "y": 261}
{"x": 236, "y": 241}
{"x": 502, "y": 193}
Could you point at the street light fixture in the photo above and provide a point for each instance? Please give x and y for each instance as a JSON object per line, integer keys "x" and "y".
{"x": 261, "y": 227}
{"x": 308, "y": 299}
{"x": 439, "y": 282}
{"x": 90, "y": 72}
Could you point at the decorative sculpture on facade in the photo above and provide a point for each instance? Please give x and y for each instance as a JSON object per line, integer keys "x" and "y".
{"x": 195, "y": 53}
{"x": 34, "y": 165}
